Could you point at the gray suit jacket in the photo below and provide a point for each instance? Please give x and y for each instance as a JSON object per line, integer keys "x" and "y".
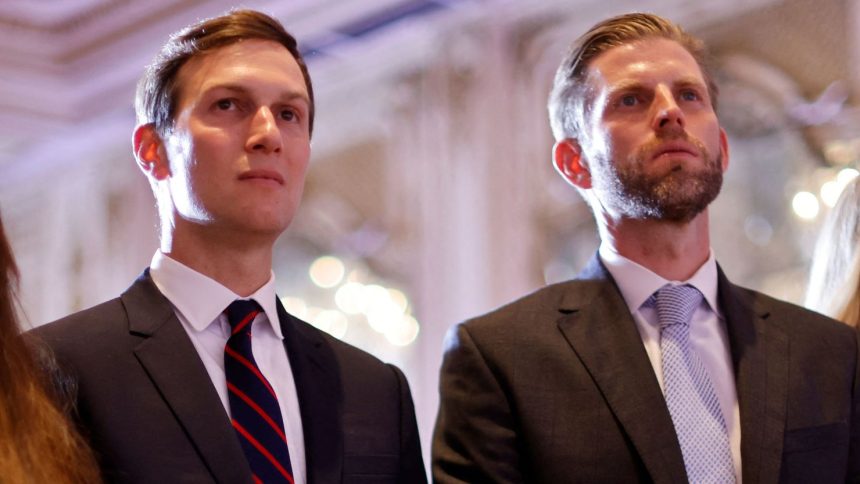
{"x": 152, "y": 414}
{"x": 557, "y": 387}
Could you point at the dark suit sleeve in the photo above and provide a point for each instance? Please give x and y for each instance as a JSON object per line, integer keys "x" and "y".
{"x": 475, "y": 438}
{"x": 411, "y": 461}
{"x": 854, "y": 448}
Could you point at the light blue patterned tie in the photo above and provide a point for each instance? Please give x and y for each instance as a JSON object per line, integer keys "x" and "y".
{"x": 690, "y": 395}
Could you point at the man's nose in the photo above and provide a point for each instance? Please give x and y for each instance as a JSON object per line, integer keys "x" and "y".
{"x": 264, "y": 135}
{"x": 668, "y": 115}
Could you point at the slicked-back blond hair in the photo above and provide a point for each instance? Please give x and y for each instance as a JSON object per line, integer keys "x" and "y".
{"x": 567, "y": 98}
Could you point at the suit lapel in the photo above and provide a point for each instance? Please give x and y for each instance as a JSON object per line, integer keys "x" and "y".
{"x": 318, "y": 385}
{"x": 172, "y": 363}
{"x": 760, "y": 355}
{"x": 599, "y": 327}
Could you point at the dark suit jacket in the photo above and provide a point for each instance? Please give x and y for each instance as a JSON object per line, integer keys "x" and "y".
{"x": 557, "y": 387}
{"x": 153, "y": 416}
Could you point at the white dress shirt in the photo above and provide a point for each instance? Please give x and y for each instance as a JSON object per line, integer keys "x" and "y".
{"x": 707, "y": 331}
{"x": 199, "y": 303}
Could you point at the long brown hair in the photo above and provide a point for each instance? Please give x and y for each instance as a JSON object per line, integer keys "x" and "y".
{"x": 37, "y": 442}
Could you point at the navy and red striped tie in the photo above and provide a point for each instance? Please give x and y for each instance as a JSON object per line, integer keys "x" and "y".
{"x": 254, "y": 410}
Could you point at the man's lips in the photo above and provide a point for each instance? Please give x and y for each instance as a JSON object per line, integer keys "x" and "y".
{"x": 675, "y": 147}
{"x": 262, "y": 174}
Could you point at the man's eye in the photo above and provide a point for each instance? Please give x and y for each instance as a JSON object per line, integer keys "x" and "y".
{"x": 628, "y": 100}
{"x": 288, "y": 115}
{"x": 690, "y": 96}
{"x": 224, "y": 104}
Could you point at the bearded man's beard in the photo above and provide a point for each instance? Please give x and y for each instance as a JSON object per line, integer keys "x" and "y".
{"x": 674, "y": 196}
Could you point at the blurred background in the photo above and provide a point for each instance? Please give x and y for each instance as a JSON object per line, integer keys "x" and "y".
{"x": 430, "y": 197}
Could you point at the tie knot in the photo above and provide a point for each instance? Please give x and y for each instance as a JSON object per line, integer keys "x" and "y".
{"x": 241, "y": 312}
{"x": 676, "y": 304}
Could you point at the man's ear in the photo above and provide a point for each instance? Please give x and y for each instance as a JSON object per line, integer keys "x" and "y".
{"x": 569, "y": 163}
{"x": 150, "y": 153}
{"x": 724, "y": 149}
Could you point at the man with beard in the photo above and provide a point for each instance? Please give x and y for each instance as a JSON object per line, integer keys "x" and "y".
{"x": 650, "y": 366}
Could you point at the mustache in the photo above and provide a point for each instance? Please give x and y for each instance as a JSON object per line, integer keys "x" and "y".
{"x": 654, "y": 146}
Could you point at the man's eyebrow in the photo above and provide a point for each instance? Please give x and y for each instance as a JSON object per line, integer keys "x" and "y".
{"x": 624, "y": 86}
{"x": 287, "y": 95}
{"x": 613, "y": 91}
{"x": 632, "y": 85}
{"x": 690, "y": 82}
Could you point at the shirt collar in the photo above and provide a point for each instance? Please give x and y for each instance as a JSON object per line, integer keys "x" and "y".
{"x": 637, "y": 283}
{"x": 201, "y": 299}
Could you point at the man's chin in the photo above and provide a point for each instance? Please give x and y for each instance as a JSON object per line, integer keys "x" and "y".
{"x": 670, "y": 204}
{"x": 680, "y": 199}
{"x": 680, "y": 214}
{"x": 260, "y": 227}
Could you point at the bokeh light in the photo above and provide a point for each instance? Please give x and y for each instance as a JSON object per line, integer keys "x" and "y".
{"x": 805, "y": 205}
{"x": 327, "y": 271}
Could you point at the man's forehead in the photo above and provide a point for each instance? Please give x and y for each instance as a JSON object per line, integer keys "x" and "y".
{"x": 645, "y": 58}
{"x": 241, "y": 63}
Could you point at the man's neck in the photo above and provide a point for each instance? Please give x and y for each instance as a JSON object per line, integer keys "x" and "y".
{"x": 674, "y": 251}
{"x": 243, "y": 266}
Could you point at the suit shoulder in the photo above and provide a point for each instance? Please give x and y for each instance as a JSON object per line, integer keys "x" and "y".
{"x": 790, "y": 313}
{"x": 800, "y": 323}
{"x": 89, "y": 325}
{"x": 351, "y": 359}
{"x": 363, "y": 378}
{"x": 545, "y": 304}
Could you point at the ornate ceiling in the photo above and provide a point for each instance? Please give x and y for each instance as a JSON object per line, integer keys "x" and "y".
{"x": 64, "y": 63}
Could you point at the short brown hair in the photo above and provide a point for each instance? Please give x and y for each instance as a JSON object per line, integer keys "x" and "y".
{"x": 567, "y": 99}
{"x": 157, "y": 90}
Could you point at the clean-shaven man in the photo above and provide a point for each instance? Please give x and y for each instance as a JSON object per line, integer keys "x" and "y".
{"x": 196, "y": 373}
